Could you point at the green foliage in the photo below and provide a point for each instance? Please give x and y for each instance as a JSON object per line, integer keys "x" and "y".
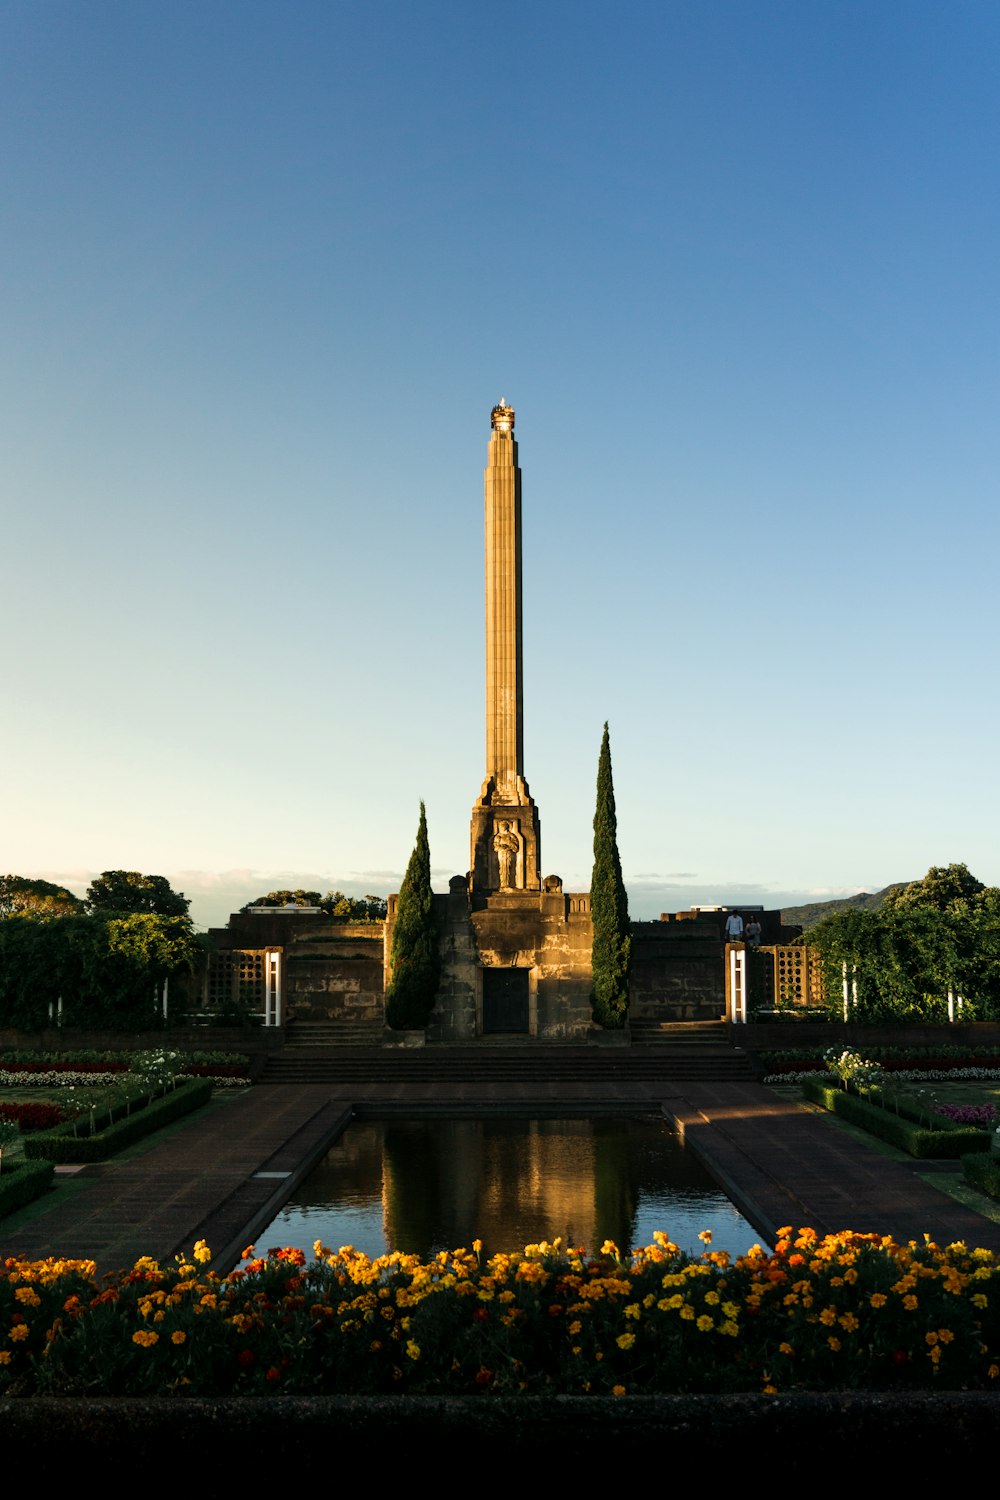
{"x": 947, "y": 1141}
{"x": 121, "y": 891}
{"x": 355, "y": 908}
{"x": 22, "y": 1182}
{"x": 21, "y": 897}
{"x": 936, "y": 934}
{"x": 103, "y": 969}
{"x": 61, "y": 1144}
{"x": 285, "y": 898}
{"x": 416, "y": 964}
{"x": 943, "y": 888}
{"x": 333, "y": 904}
{"x": 612, "y": 951}
{"x": 982, "y": 1170}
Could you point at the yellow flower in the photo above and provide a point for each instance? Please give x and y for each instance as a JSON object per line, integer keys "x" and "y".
{"x": 201, "y": 1252}
{"x": 5, "y": 1356}
{"x": 145, "y": 1338}
{"x": 834, "y": 1344}
{"x": 909, "y": 1303}
{"x": 704, "y": 1323}
{"x": 877, "y": 1299}
{"x": 625, "y": 1340}
{"x": 413, "y": 1349}
{"x": 178, "y": 1336}
{"x": 617, "y": 1390}
{"x": 786, "y": 1349}
{"x": 19, "y": 1332}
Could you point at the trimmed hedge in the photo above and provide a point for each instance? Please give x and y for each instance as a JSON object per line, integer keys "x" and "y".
{"x": 949, "y": 1142}
{"x": 62, "y": 1145}
{"x": 982, "y": 1171}
{"x": 23, "y": 1181}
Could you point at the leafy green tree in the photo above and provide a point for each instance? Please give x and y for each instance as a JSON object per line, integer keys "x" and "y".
{"x": 128, "y": 891}
{"x": 936, "y": 934}
{"x": 941, "y": 887}
{"x": 612, "y": 951}
{"x": 355, "y": 908}
{"x": 21, "y": 897}
{"x": 415, "y": 960}
{"x": 286, "y": 898}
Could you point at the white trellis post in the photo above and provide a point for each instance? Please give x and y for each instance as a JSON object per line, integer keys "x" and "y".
{"x": 737, "y": 983}
{"x": 850, "y": 990}
{"x": 272, "y": 988}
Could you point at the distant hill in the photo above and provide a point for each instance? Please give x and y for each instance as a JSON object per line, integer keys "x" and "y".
{"x": 807, "y": 916}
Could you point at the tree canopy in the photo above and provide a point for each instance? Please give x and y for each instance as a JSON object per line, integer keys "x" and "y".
{"x": 612, "y": 951}
{"x": 942, "y": 887}
{"x": 21, "y": 897}
{"x": 333, "y": 904}
{"x": 937, "y": 934}
{"x": 129, "y": 891}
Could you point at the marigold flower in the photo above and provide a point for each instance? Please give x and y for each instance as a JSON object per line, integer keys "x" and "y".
{"x": 625, "y": 1340}
{"x": 18, "y": 1332}
{"x": 617, "y": 1390}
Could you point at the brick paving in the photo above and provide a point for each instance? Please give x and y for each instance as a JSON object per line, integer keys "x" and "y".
{"x": 780, "y": 1163}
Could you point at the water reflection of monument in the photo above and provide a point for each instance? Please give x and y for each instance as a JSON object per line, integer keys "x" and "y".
{"x": 509, "y": 1182}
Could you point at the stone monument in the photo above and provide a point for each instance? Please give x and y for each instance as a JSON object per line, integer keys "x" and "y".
{"x": 505, "y": 834}
{"x": 515, "y": 949}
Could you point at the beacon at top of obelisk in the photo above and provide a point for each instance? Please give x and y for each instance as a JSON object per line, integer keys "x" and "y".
{"x": 505, "y": 828}
{"x": 502, "y": 417}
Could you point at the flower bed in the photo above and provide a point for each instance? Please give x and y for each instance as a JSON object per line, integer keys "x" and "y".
{"x": 31, "y": 1116}
{"x": 899, "y": 1129}
{"x": 61, "y": 1144}
{"x": 818, "y": 1314}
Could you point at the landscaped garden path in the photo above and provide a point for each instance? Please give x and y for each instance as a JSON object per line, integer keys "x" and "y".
{"x": 216, "y": 1176}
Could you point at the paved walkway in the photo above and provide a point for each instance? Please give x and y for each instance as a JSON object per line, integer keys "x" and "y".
{"x": 222, "y": 1175}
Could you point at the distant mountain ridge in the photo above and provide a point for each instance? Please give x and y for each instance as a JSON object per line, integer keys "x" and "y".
{"x": 807, "y": 916}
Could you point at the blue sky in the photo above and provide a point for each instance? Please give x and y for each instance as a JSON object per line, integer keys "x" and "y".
{"x": 264, "y": 269}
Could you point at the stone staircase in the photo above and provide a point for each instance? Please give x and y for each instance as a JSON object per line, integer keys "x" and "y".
{"x": 333, "y": 1034}
{"x": 709, "y": 1058}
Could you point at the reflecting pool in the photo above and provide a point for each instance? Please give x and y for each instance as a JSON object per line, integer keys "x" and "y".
{"x": 433, "y": 1184}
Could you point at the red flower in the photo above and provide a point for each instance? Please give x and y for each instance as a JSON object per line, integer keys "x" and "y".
{"x": 247, "y": 1358}
{"x": 485, "y": 1376}
{"x": 480, "y": 1315}
{"x": 273, "y": 1375}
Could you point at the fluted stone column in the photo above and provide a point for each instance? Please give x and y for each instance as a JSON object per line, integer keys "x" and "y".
{"x": 505, "y": 832}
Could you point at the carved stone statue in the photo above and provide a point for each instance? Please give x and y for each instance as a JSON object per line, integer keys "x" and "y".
{"x": 506, "y": 845}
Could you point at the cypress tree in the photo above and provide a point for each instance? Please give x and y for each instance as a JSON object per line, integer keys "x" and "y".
{"x": 416, "y": 965}
{"x": 612, "y": 953}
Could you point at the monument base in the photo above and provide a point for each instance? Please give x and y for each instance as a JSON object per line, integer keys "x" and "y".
{"x": 513, "y": 963}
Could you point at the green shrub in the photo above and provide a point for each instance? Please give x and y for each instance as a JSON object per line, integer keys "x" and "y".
{"x": 62, "y": 1145}
{"x": 982, "y": 1171}
{"x": 21, "y": 1182}
{"x": 949, "y": 1142}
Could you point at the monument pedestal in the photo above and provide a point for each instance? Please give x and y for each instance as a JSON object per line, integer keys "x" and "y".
{"x": 505, "y": 839}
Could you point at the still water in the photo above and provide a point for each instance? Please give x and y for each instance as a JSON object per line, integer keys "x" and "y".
{"x": 433, "y": 1184}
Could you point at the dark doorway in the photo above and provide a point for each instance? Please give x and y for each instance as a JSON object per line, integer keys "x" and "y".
{"x": 505, "y": 1000}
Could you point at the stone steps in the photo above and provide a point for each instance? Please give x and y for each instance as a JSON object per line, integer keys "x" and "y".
{"x": 538, "y": 1069}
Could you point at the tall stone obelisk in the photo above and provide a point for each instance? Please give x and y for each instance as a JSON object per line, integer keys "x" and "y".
{"x": 505, "y": 834}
